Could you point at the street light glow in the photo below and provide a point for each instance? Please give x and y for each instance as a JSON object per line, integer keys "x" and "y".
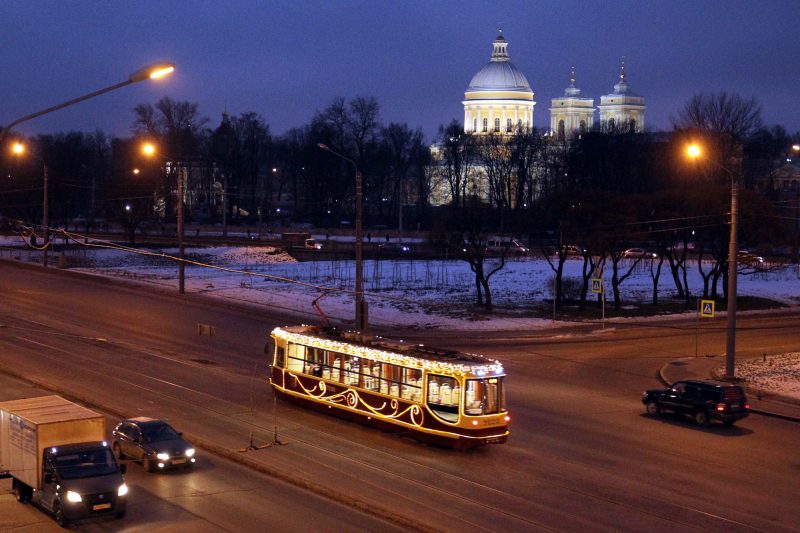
{"x": 148, "y": 149}
{"x": 796, "y": 147}
{"x": 18, "y": 148}
{"x": 135, "y": 170}
{"x": 154, "y": 71}
{"x": 693, "y": 151}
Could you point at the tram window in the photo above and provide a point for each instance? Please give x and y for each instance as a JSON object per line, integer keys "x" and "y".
{"x": 372, "y": 374}
{"x": 411, "y": 389}
{"x": 279, "y": 357}
{"x": 352, "y": 370}
{"x": 392, "y": 378}
{"x": 331, "y": 365}
{"x": 314, "y": 362}
{"x": 484, "y": 396}
{"x": 296, "y": 357}
{"x": 444, "y": 397}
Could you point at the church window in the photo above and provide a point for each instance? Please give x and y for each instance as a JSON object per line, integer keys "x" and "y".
{"x": 612, "y": 124}
{"x": 633, "y": 125}
{"x": 510, "y": 126}
{"x": 519, "y": 124}
{"x": 561, "y": 132}
{"x": 474, "y": 124}
{"x": 497, "y": 125}
{"x": 582, "y": 126}
{"x": 485, "y": 125}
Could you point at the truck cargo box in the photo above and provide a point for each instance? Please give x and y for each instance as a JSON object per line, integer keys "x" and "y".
{"x": 29, "y": 426}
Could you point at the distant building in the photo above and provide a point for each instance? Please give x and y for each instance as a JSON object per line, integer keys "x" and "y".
{"x": 499, "y": 98}
{"x": 571, "y": 113}
{"x": 622, "y": 110}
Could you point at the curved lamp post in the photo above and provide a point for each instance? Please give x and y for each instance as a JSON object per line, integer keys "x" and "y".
{"x": 361, "y": 304}
{"x": 154, "y": 71}
{"x": 694, "y": 151}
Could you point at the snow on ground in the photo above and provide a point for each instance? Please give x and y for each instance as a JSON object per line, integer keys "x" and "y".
{"x": 778, "y": 374}
{"x": 406, "y": 293}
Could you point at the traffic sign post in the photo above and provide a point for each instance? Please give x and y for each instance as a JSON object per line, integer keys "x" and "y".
{"x": 597, "y": 285}
{"x": 705, "y": 309}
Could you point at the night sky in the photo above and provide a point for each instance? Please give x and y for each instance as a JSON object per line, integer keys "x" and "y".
{"x": 287, "y": 59}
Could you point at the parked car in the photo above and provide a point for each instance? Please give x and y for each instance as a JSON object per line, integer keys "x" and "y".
{"x": 572, "y": 249}
{"x": 394, "y": 247}
{"x": 749, "y": 258}
{"x": 702, "y": 400}
{"x": 153, "y": 442}
{"x": 508, "y": 246}
{"x": 312, "y": 244}
{"x": 635, "y": 253}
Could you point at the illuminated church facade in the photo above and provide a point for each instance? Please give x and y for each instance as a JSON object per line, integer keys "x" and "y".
{"x": 499, "y": 100}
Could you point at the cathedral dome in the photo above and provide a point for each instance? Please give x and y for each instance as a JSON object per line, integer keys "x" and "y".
{"x": 500, "y": 74}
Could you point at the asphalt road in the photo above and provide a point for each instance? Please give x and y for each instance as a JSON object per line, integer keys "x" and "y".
{"x": 582, "y": 455}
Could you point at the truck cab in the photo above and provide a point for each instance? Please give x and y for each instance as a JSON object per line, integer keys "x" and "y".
{"x": 81, "y": 481}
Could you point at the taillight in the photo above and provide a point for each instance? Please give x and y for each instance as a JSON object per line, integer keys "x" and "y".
{"x": 747, "y": 406}
{"x": 720, "y": 407}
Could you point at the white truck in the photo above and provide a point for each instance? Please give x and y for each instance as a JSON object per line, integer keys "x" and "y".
{"x": 56, "y": 454}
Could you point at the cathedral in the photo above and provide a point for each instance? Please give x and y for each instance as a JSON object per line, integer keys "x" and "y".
{"x": 499, "y": 99}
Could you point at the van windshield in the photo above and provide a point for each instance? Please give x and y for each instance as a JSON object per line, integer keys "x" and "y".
{"x": 85, "y": 464}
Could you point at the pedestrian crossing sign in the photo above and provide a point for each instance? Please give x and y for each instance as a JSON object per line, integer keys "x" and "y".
{"x": 597, "y": 284}
{"x": 707, "y": 308}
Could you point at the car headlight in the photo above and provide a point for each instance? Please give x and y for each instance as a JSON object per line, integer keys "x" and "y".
{"x": 190, "y": 452}
{"x": 122, "y": 490}
{"x": 164, "y": 456}
{"x": 73, "y": 496}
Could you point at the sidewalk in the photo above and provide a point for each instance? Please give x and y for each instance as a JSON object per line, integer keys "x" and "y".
{"x": 761, "y": 402}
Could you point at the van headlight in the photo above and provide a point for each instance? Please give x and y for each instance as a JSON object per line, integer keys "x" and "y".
{"x": 190, "y": 452}
{"x": 164, "y": 456}
{"x": 122, "y": 490}
{"x": 73, "y": 496}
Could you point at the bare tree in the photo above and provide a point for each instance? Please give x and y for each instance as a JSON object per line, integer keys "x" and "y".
{"x": 457, "y": 158}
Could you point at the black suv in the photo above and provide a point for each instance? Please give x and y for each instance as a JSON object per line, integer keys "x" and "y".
{"x": 153, "y": 442}
{"x": 703, "y": 400}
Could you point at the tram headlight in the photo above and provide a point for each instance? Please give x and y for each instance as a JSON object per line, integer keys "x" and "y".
{"x": 508, "y": 418}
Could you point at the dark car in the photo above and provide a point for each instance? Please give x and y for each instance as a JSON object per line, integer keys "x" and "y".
{"x": 153, "y": 442}
{"x": 702, "y": 400}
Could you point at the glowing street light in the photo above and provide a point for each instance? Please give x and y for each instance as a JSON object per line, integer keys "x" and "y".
{"x": 150, "y": 150}
{"x": 154, "y": 71}
{"x": 18, "y": 148}
{"x": 694, "y": 151}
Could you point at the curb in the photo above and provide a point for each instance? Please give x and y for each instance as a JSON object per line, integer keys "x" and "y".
{"x": 750, "y": 391}
{"x": 365, "y": 507}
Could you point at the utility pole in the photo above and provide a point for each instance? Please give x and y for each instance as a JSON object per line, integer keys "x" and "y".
{"x": 181, "y": 216}
{"x": 45, "y": 218}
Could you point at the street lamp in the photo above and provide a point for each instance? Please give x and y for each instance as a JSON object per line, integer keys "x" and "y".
{"x": 18, "y": 149}
{"x": 694, "y": 151}
{"x": 150, "y": 150}
{"x": 154, "y": 71}
{"x": 361, "y": 304}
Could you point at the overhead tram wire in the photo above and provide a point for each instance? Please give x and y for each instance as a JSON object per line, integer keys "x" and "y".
{"x": 91, "y": 242}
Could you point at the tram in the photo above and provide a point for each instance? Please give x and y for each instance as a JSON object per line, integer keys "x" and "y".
{"x": 443, "y": 397}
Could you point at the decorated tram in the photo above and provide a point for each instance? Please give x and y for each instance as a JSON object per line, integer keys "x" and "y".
{"x": 444, "y": 397}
